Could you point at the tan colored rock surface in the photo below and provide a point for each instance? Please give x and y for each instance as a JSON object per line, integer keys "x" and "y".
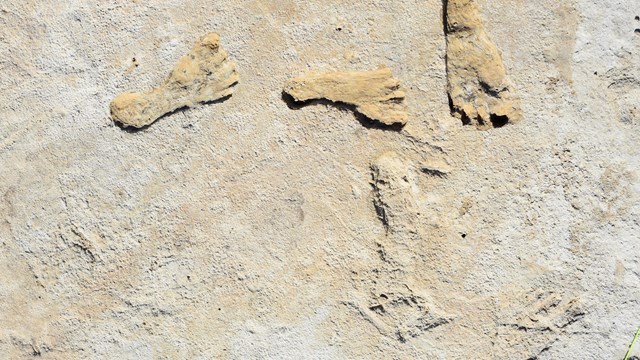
{"x": 246, "y": 230}
{"x": 375, "y": 94}
{"x": 204, "y": 75}
{"x": 479, "y": 90}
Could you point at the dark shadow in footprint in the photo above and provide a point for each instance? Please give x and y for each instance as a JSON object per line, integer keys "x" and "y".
{"x": 364, "y": 121}
{"x": 133, "y": 130}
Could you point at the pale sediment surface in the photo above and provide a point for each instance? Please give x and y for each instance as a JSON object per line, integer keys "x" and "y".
{"x": 246, "y": 229}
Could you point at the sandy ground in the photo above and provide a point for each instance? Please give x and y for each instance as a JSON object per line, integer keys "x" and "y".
{"x": 246, "y": 229}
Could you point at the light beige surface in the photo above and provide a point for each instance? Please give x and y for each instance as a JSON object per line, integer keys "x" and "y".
{"x": 248, "y": 230}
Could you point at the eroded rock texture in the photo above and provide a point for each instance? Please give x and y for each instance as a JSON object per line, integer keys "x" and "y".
{"x": 480, "y": 92}
{"x": 375, "y": 94}
{"x": 205, "y": 74}
{"x": 252, "y": 233}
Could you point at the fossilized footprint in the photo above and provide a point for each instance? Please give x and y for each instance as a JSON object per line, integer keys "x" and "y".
{"x": 392, "y": 198}
{"x": 479, "y": 90}
{"x": 205, "y": 74}
{"x": 534, "y": 321}
{"x": 375, "y": 94}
